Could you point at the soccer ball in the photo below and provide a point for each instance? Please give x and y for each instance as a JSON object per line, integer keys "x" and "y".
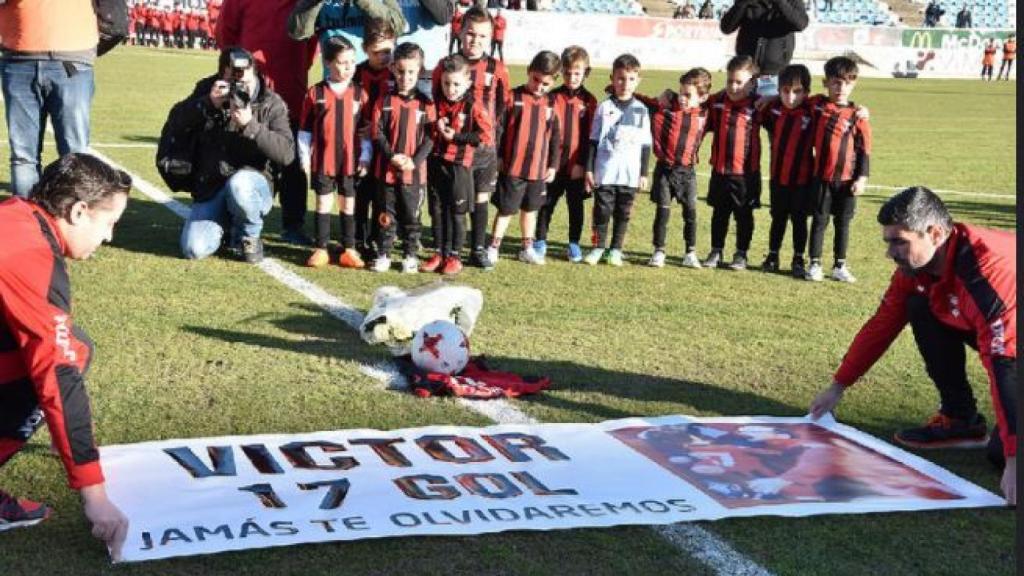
{"x": 440, "y": 346}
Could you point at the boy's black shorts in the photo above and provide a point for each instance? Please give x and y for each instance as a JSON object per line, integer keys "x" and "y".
{"x": 739, "y": 191}
{"x": 454, "y": 185}
{"x": 833, "y": 198}
{"x": 323, "y": 184}
{"x": 797, "y": 200}
{"x": 485, "y": 171}
{"x": 516, "y": 194}
{"x": 674, "y": 183}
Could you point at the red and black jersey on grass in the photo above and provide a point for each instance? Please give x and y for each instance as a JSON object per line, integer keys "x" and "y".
{"x": 402, "y": 125}
{"x": 842, "y": 141}
{"x": 530, "y": 144}
{"x": 736, "y": 147}
{"x": 791, "y": 133}
{"x": 335, "y": 122}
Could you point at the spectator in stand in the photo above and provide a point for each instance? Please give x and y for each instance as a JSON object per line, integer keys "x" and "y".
{"x": 932, "y": 13}
{"x": 767, "y": 34}
{"x": 707, "y": 11}
{"x": 963, "y": 18}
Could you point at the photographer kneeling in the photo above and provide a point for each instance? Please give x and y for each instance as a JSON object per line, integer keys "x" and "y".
{"x": 219, "y": 145}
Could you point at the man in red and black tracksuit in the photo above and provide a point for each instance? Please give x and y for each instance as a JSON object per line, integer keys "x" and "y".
{"x": 842, "y": 151}
{"x": 400, "y": 127}
{"x": 956, "y": 286}
{"x": 789, "y": 121}
{"x": 44, "y": 355}
{"x": 677, "y": 128}
{"x": 498, "y": 42}
{"x": 464, "y": 129}
{"x": 490, "y": 87}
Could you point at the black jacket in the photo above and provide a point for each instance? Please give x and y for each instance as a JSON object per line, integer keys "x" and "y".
{"x": 766, "y": 30}
{"x": 199, "y": 148}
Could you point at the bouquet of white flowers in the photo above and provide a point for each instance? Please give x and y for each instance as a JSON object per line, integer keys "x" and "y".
{"x": 396, "y": 314}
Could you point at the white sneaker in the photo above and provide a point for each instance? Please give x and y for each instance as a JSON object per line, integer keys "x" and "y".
{"x": 382, "y": 264}
{"x": 529, "y": 256}
{"x": 615, "y": 257}
{"x": 410, "y": 265}
{"x": 594, "y": 256}
{"x": 657, "y": 259}
{"x": 691, "y": 260}
{"x": 843, "y": 274}
{"x": 492, "y": 255}
{"x": 814, "y": 272}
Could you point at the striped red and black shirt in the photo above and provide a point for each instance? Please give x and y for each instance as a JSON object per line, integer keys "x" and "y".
{"x": 335, "y": 122}
{"x": 491, "y": 86}
{"x": 473, "y": 129}
{"x": 675, "y": 131}
{"x": 791, "y": 133}
{"x": 402, "y": 125}
{"x": 531, "y": 137}
{"x": 376, "y": 83}
{"x": 736, "y": 147}
{"x": 842, "y": 141}
{"x": 575, "y": 111}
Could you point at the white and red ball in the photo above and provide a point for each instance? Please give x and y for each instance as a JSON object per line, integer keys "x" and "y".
{"x": 440, "y": 346}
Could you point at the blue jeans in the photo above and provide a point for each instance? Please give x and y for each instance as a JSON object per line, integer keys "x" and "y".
{"x": 239, "y": 206}
{"x": 37, "y": 89}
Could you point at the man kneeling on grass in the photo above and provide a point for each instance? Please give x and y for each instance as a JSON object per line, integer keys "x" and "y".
{"x": 957, "y": 286}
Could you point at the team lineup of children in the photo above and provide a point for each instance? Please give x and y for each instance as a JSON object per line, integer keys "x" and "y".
{"x": 369, "y": 134}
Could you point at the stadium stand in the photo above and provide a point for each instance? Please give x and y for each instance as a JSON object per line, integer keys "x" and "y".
{"x": 867, "y": 12}
{"x": 984, "y": 13}
{"x": 626, "y": 7}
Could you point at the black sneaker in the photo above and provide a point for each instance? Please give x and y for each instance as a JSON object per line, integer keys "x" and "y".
{"x": 941, "y": 431}
{"x": 19, "y": 512}
{"x": 480, "y": 260}
{"x": 739, "y": 261}
{"x": 798, "y": 268}
{"x": 252, "y": 249}
{"x": 771, "y": 263}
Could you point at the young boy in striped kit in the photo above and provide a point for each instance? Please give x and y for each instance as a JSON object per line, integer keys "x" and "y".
{"x": 735, "y": 188}
{"x": 574, "y": 107}
{"x": 400, "y": 128}
{"x": 620, "y": 149}
{"x": 333, "y": 150}
{"x": 528, "y": 156}
{"x": 842, "y": 151}
{"x": 788, "y": 119}
{"x": 678, "y": 121}
{"x": 463, "y": 128}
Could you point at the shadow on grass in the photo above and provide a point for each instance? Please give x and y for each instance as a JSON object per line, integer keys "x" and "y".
{"x": 995, "y": 214}
{"x": 566, "y": 376}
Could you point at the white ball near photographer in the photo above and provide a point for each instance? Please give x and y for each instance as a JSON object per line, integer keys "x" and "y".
{"x": 440, "y": 346}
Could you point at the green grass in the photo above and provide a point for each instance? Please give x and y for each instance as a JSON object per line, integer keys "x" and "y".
{"x": 190, "y": 349}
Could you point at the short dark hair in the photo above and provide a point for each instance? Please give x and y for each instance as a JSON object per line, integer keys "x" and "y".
{"x": 476, "y": 15}
{"x": 574, "y": 54}
{"x": 915, "y": 208}
{"x": 230, "y": 54}
{"x": 376, "y": 30}
{"x": 742, "y": 62}
{"x": 793, "y": 74}
{"x": 545, "y": 62}
{"x": 335, "y": 45}
{"x": 454, "y": 63}
{"x": 78, "y": 177}
{"x": 626, "y": 62}
{"x": 408, "y": 51}
{"x": 698, "y": 77}
{"x": 841, "y": 67}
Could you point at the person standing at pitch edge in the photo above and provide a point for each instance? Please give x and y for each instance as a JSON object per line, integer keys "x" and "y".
{"x": 956, "y": 285}
{"x": 44, "y": 354}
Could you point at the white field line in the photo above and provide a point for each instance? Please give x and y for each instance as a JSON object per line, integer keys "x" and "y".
{"x": 694, "y": 540}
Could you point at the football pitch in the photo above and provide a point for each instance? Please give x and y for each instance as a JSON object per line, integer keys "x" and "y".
{"x": 216, "y": 347}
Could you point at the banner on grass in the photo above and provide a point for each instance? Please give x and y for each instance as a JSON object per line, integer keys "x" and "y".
{"x": 206, "y": 495}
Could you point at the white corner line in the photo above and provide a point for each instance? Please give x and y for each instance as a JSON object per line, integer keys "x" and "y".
{"x": 691, "y": 539}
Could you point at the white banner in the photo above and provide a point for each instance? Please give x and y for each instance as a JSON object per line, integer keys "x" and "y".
{"x": 206, "y": 495}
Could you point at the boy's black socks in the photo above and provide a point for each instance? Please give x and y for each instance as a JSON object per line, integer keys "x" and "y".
{"x": 479, "y": 226}
{"x": 323, "y": 230}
